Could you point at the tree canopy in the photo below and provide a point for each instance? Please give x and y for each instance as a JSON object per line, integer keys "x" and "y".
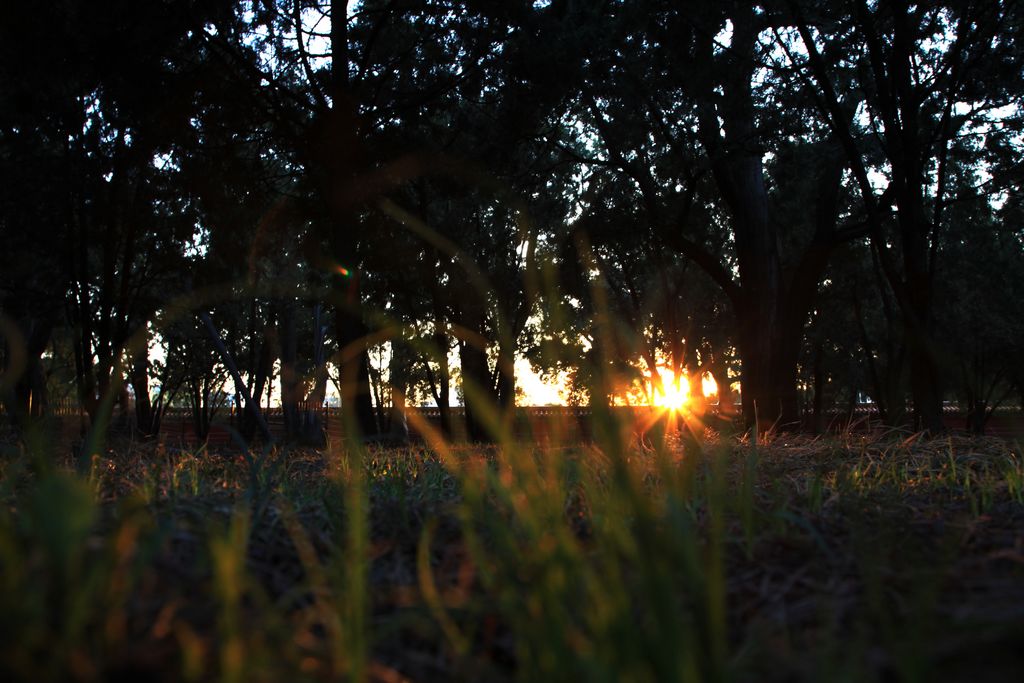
{"x": 811, "y": 202}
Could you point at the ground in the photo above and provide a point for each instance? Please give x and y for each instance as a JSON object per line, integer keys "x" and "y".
{"x": 853, "y": 557}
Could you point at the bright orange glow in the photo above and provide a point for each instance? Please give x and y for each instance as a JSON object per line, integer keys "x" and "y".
{"x": 674, "y": 392}
{"x": 709, "y": 385}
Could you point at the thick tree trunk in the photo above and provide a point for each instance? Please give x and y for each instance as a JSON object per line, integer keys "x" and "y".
{"x": 925, "y": 385}
{"x": 771, "y": 305}
{"x": 977, "y": 416}
{"x": 925, "y": 388}
{"x": 785, "y": 375}
{"x": 476, "y": 390}
{"x": 739, "y": 173}
{"x": 770, "y": 352}
{"x": 354, "y": 368}
{"x": 264, "y": 369}
{"x": 769, "y": 378}
{"x": 336, "y": 158}
{"x": 924, "y": 367}
{"x": 505, "y": 384}
{"x": 477, "y": 386}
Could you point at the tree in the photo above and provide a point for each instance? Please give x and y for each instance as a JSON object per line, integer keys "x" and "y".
{"x": 922, "y": 76}
{"x": 680, "y": 108}
{"x": 101, "y": 123}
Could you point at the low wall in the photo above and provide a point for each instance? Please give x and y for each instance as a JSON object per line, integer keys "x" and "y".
{"x": 546, "y": 424}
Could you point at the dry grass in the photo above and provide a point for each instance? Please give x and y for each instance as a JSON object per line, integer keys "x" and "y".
{"x": 886, "y": 557}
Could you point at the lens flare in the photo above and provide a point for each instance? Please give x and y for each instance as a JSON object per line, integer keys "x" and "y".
{"x": 674, "y": 392}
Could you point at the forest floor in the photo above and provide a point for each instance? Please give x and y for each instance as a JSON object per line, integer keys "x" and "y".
{"x": 847, "y": 558}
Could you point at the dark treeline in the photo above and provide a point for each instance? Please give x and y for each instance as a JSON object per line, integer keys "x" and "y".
{"x": 817, "y": 200}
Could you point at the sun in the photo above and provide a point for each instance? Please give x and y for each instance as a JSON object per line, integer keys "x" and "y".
{"x": 674, "y": 393}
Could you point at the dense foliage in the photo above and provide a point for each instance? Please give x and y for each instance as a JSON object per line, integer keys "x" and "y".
{"x": 817, "y": 201}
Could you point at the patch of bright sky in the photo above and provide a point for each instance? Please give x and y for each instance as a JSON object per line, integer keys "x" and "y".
{"x": 538, "y": 391}
{"x": 165, "y": 162}
{"x": 200, "y": 242}
{"x": 535, "y": 390}
{"x": 723, "y": 40}
{"x": 978, "y": 121}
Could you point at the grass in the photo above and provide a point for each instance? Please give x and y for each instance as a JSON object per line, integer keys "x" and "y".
{"x": 846, "y": 558}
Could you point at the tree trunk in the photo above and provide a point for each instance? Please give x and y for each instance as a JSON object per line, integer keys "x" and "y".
{"x": 145, "y": 420}
{"x": 895, "y": 97}
{"x": 27, "y": 397}
{"x": 977, "y": 416}
{"x": 505, "y": 384}
{"x": 720, "y": 373}
{"x": 818, "y": 419}
{"x": 398, "y": 379}
{"x": 917, "y": 309}
{"x": 263, "y": 371}
{"x": 925, "y": 388}
{"x": 476, "y": 390}
{"x": 313, "y": 420}
{"x": 739, "y": 173}
{"x": 251, "y": 407}
{"x": 289, "y": 378}
{"x": 354, "y": 370}
{"x": 444, "y": 383}
{"x": 477, "y": 387}
{"x": 697, "y": 402}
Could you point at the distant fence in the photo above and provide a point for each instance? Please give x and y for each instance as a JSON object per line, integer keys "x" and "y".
{"x": 541, "y": 423}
